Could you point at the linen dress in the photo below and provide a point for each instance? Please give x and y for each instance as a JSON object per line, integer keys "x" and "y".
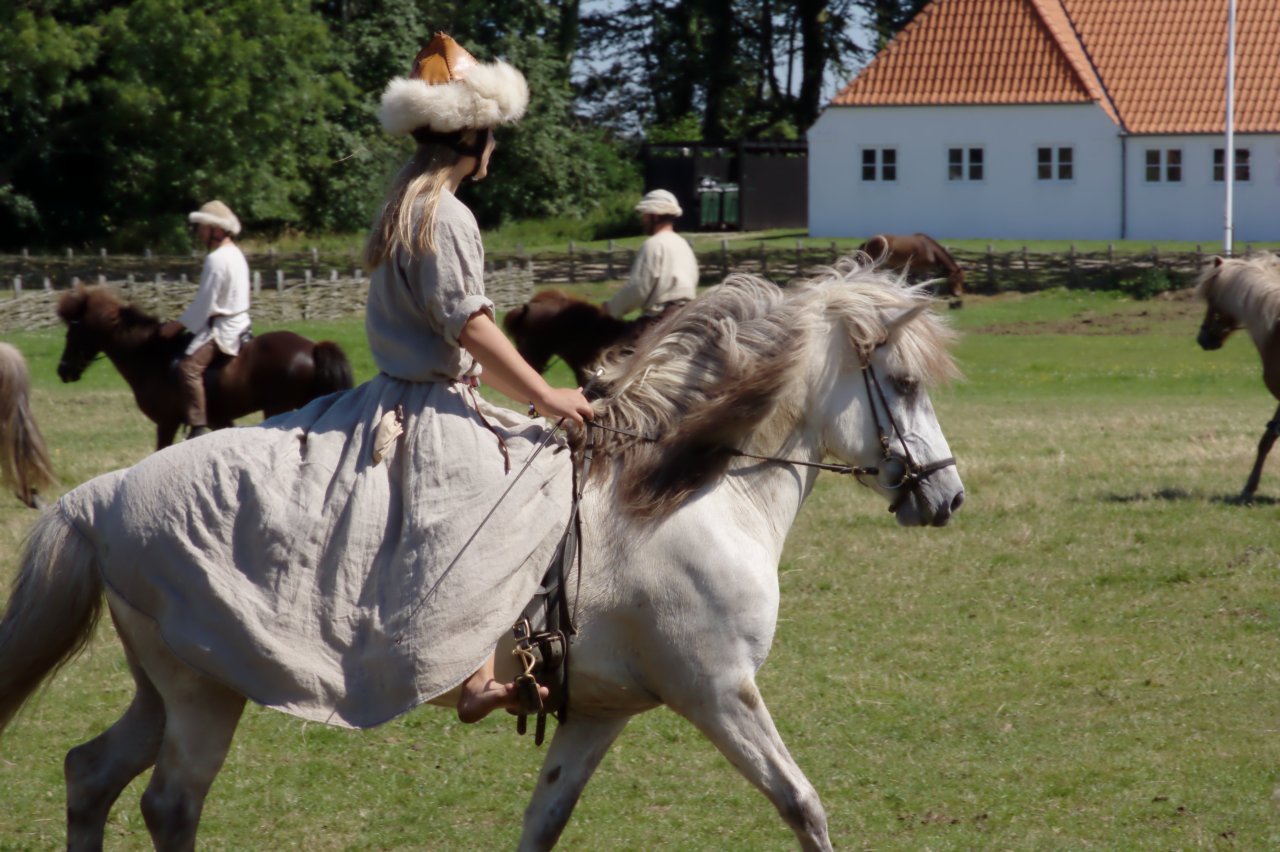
{"x": 282, "y": 561}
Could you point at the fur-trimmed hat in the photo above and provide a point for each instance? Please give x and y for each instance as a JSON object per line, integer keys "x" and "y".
{"x": 659, "y": 202}
{"x": 217, "y": 214}
{"x": 447, "y": 90}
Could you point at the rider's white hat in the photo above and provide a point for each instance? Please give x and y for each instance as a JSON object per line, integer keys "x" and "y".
{"x": 659, "y": 202}
{"x": 447, "y": 90}
{"x": 217, "y": 214}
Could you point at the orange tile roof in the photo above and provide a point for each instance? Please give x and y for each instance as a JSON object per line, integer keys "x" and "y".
{"x": 1154, "y": 66}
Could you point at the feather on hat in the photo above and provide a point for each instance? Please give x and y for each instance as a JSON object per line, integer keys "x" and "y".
{"x": 447, "y": 90}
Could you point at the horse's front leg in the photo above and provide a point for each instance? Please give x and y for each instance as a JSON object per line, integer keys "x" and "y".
{"x": 577, "y": 747}
{"x": 731, "y": 713}
{"x": 1264, "y": 447}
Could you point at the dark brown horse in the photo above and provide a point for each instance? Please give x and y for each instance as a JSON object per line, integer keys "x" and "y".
{"x": 554, "y": 323}
{"x": 1245, "y": 293}
{"x": 918, "y": 253}
{"x": 24, "y": 461}
{"x": 275, "y": 372}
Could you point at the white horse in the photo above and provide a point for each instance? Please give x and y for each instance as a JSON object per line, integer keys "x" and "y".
{"x": 712, "y": 430}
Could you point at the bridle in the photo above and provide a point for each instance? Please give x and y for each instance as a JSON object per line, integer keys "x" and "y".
{"x": 896, "y": 472}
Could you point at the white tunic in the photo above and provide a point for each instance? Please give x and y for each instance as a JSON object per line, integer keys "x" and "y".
{"x": 665, "y": 269}
{"x": 283, "y": 561}
{"x": 220, "y": 309}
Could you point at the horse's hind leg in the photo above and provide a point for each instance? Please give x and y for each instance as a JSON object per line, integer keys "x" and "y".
{"x": 1264, "y": 447}
{"x": 200, "y": 719}
{"x": 99, "y": 770}
{"x": 577, "y": 747}
{"x": 734, "y": 717}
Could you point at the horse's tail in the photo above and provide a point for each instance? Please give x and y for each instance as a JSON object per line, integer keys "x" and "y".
{"x": 24, "y": 461}
{"x": 55, "y": 602}
{"x": 333, "y": 370}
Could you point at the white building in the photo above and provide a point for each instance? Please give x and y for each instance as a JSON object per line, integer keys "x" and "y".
{"x": 1056, "y": 119}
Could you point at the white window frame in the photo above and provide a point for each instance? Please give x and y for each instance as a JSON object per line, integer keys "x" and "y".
{"x": 883, "y": 164}
{"x": 1167, "y": 163}
{"x": 1061, "y": 169}
{"x": 1243, "y": 165}
{"x": 967, "y": 168}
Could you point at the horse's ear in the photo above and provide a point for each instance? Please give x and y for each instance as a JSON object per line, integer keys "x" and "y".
{"x": 897, "y": 322}
{"x": 1217, "y": 261}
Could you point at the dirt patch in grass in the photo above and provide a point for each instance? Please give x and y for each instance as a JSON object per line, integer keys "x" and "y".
{"x": 1171, "y": 312}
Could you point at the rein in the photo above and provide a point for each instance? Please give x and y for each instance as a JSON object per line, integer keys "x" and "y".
{"x": 895, "y": 471}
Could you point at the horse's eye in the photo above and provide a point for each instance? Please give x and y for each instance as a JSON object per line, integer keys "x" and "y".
{"x": 905, "y": 386}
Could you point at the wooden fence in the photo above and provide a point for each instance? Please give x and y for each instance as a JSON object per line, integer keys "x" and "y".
{"x": 315, "y": 285}
{"x": 276, "y": 301}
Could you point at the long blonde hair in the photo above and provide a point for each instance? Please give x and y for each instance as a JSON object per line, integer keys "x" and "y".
{"x": 424, "y": 176}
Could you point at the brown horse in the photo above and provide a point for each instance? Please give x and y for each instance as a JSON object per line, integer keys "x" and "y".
{"x": 1245, "y": 293}
{"x": 276, "y": 372}
{"x": 24, "y": 461}
{"x": 554, "y": 323}
{"x": 915, "y": 253}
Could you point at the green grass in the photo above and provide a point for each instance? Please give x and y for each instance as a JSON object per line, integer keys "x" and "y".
{"x": 1084, "y": 659}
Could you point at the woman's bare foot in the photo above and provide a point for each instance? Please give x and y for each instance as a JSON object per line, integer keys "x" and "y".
{"x": 482, "y": 693}
{"x": 479, "y": 700}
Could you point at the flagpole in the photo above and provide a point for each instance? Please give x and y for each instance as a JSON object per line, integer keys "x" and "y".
{"x": 1229, "y": 156}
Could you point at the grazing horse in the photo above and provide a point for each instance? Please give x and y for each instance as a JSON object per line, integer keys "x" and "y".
{"x": 707, "y": 441}
{"x": 24, "y": 461}
{"x": 555, "y": 323}
{"x": 915, "y": 253}
{"x": 273, "y": 373}
{"x": 1245, "y": 292}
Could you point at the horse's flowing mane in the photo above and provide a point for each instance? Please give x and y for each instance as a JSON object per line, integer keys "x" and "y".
{"x": 728, "y": 368}
{"x": 1246, "y": 289}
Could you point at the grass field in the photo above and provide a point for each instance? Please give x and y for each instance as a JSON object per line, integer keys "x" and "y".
{"x": 1086, "y": 658}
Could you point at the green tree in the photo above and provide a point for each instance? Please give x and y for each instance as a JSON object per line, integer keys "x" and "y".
{"x": 145, "y": 109}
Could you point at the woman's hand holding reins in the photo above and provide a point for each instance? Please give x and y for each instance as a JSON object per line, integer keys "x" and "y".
{"x": 568, "y": 403}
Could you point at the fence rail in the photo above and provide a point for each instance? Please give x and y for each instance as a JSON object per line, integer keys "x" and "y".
{"x": 316, "y": 285}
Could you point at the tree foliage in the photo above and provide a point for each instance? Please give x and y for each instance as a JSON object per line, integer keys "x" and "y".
{"x": 116, "y": 118}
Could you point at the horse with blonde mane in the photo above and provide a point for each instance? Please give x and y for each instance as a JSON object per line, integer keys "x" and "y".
{"x": 916, "y": 253}
{"x": 24, "y": 461}
{"x": 706, "y": 442}
{"x": 1245, "y": 293}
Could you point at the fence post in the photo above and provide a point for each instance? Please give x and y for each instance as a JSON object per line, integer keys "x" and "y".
{"x": 835, "y": 253}
{"x": 48, "y": 284}
{"x": 991, "y": 269}
{"x": 257, "y": 282}
{"x": 573, "y": 266}
{"x": 1155, "y": 256}
{"x": 102, "y": 280}
{"x": 1111, "y": 254}
{"x": 1199, "y": 256}
{"x": 1026, "y": 270}
{"x": 70, "y": 253}
{"x": 799, "y": 258}
{"x": 1071, "y": 266}
{"x": 315, "y": 256}
{"x": 609, "y": 271}
{"x": 764, "y": 259}
{"x": 17, "y": 285}
{"x": 279, "y": 280}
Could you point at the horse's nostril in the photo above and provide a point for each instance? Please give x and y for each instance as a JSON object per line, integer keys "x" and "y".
{"x": 957, "y": 502}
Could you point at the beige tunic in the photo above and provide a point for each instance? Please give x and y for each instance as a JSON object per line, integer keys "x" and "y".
{"x": 281, "y": 560}
{"x": 665, "y": 269}
{"x": 220, "y": 309}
